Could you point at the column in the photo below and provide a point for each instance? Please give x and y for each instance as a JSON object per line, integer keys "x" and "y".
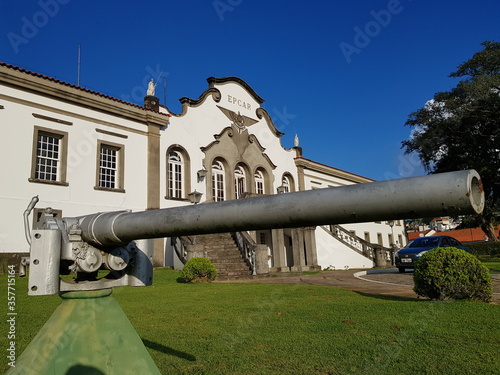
{"x": 279, "y": 250}
{"x": 299, "y": 261}
{"x": 153, "y": 187}
{"x": 261, "y": 260}
{"x": 310, "y": 243}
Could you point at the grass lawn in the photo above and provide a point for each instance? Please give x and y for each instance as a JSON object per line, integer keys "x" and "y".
{"x": 492, "y": 263}
{"x": 288, "y": 329}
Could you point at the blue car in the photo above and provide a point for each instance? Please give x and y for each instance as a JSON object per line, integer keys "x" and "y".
{"x": 411, "y": 253}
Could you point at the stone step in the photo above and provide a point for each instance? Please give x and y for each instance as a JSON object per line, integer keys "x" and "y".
{"x": 208, "y": 248}
{"x": 214, "y": 237}
{"x": 233, "y": 274}
{"x": 234, "y": 260}
{"x": 232, "y": 267}
{"x": 223, "y": 252}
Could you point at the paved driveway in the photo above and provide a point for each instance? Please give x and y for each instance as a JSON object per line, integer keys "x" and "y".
{"x": 386, "y": 282}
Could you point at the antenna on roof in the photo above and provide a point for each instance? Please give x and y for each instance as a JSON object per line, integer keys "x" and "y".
{"x": 165, "y": 91}
{"x": 79, "y": 62}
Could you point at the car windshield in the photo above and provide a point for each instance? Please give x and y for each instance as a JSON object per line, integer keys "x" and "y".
{"x": 424, "y": 242}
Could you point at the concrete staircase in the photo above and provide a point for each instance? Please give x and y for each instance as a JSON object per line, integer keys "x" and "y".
{"x": 223, "y": 252}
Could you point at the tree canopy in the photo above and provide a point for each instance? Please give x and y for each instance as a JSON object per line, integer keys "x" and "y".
{"x": 460, "y": 128}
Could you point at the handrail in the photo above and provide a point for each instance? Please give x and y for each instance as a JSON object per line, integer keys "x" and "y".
{"x": 354, "y": 242}
{"x": 246, "y": 245}
{"x": 179, "y": 244}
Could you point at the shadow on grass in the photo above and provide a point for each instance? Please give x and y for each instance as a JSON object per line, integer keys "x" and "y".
{"x": 83, "y": 370}
{"x": 166, "y": 350}
{"x": 391, "y": 298}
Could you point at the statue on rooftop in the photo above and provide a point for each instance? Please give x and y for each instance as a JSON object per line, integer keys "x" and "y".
{"x": 151, "y": 88}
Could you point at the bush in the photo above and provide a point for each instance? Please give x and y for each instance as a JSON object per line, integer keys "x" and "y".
{"x": 451, "y": 273}
{"x": 198, "y": 270}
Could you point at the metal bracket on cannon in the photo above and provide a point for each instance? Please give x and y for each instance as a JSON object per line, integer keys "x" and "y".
{"x": 58, "y": 249}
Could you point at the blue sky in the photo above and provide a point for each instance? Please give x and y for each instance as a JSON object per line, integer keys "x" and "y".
{"x": 343, "y": 75}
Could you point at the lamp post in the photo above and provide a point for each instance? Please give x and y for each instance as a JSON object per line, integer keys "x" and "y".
{"x": 195, "y": 197}
{"x": 202, "y": 173}
{"x": 391, "y": 224}
{"x": 393, "y": 244}
{"x": 281, "y": 189}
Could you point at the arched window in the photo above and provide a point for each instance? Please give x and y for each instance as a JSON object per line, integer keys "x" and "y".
{"x": 287, "y": 184}
{"x": 259, "y": 182}
{"x": 239, "y": 182}
{"x": 175, "y": 171}
{"x": 218, "y": 181}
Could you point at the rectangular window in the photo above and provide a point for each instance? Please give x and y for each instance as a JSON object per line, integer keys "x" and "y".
{"x": 367, "y": 237}
{"x": 218, "y": 187}
{"x": 239, "y": 187}
{"x": 259, "y": 187}
{"x": 110, "y": 167}
{"x": 175, "y": 180}
{"x": 49, "y": 156}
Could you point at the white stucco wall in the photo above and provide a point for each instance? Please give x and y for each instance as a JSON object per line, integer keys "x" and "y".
{"x": 333, "y": 254}
{"x": 79, "y": 197}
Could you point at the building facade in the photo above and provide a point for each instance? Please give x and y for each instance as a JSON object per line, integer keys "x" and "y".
{"x": 81, "y": 152}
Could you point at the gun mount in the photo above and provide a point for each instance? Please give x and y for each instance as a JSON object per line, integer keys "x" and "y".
{"x": 84, "y": 245}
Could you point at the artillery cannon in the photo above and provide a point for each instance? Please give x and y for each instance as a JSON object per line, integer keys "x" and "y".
{"x": 118, "y": 241}
{"x": 106, "y": 240}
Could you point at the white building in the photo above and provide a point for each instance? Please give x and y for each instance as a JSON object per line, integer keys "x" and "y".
{"x": 81, "y": 152}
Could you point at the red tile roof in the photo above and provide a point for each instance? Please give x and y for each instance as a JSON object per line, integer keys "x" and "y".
{"x": 77, "y": 87}
{"x": 463, "y": 235}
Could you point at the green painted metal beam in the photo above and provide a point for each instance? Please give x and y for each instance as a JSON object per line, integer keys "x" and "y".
{"x": 87, "y": 334}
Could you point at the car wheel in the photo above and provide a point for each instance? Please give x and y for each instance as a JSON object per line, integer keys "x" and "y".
{"x": 401, "y": 269}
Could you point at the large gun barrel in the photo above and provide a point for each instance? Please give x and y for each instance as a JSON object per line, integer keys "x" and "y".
{"x": 452, "y": 193}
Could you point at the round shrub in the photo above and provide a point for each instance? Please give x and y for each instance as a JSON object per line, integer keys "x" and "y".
{"x": 451, "y": 273}
{"x": 198, "y": 270}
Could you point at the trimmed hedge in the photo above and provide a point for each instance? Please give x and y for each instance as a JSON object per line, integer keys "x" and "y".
{"x": 451, "y": 273}
{"x": 490, "y": 248}
{"x": 198, "y": 270}
{"x": 8, "y": 259}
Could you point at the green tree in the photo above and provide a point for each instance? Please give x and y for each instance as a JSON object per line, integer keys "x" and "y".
{"x": 460, "y": 128}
